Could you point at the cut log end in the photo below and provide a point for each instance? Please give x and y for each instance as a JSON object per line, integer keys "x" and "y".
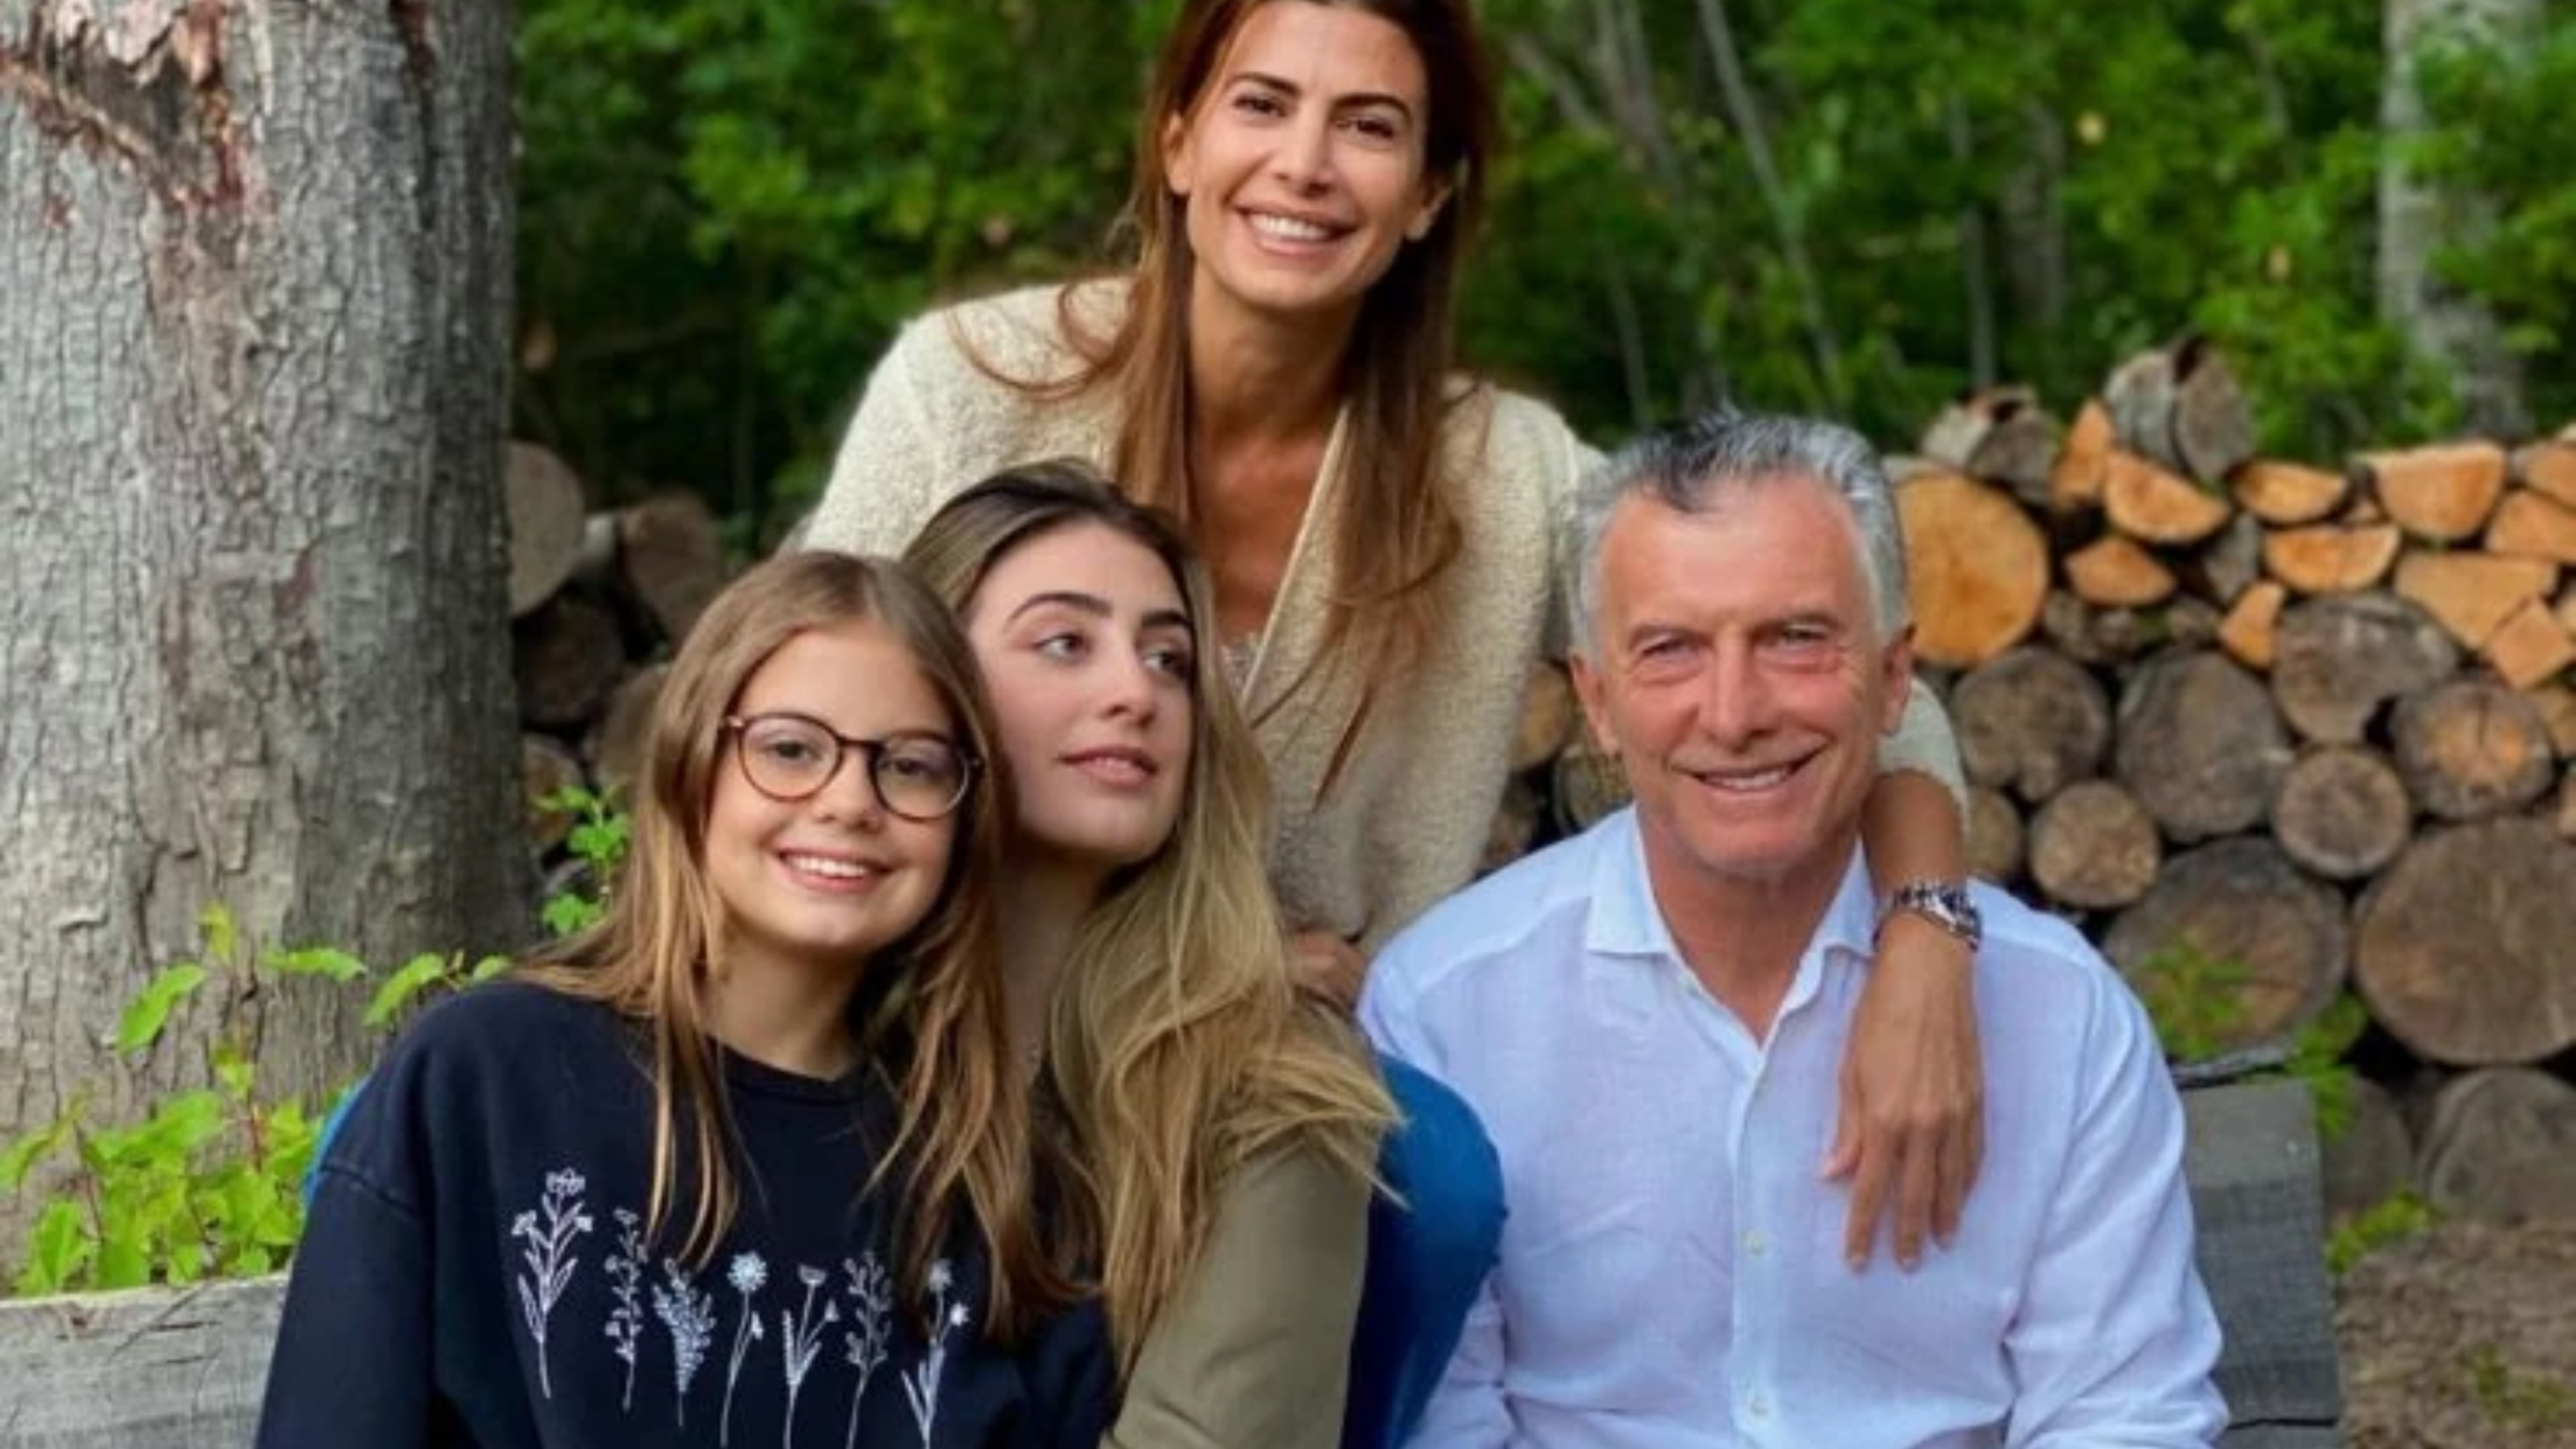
{"x": 2443, "y": 493}
{"x": 2471, "y": 594}
{"x": 2343, "y": 812}
{"x": 2248, "y": 630}
{"x": 2459, "y": 945}
{"x": 1995, "y": 836}
{"x": 544, "y": 509}
{"x": 2287, "y": 495}
{"x": 2032, "y": 721}
{"x": 1548, "y": 717}
{"x": 2094, "y": 846}
{"x": 2472, "y": 748}
{"x": 2234, "y": 941}
{"x": 2075, "y": 483}
{"x": 2530, "y": 647}
{"x": 2339, "y": 660}
{"x": 2501, "y": 1147}
{"x": 2118, "y": 573}
{"x": 2199, "y": 745}
{"x": 2149, "y": 503}
{"x": 2531, "y": 525}
{"x": 1979, "y": 569}
{"x": 2328, "y": 558}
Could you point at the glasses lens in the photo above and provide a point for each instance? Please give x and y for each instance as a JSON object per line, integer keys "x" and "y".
{"x": 921, "y": 776}
{"x": 788, "y": 758}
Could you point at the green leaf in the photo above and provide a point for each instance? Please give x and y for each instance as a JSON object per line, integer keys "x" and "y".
{"x": 217, "y": 929}
{"x": 316, "y": 961}
{"x": 416, "y": 976}
{"x": 56, "y": 1250}
{"x": 22, "y": 1155}
{"x": 123, "y": 1262}
{"x": 149, "y": 1013}
{"x": 235, "y": 1074}
{"x": 488, "y": 967}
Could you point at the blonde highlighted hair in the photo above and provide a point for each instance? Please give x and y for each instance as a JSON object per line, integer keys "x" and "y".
{"x": 934, "y": 1025}
{"x": 1177, "y": 1048}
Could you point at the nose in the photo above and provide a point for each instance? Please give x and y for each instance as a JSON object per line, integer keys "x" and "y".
{"x": 1303, "y": 158}
{"x": 850, "y": 797}
{"x": 1129, "y": 689}
{"x": 1736, "y": 710}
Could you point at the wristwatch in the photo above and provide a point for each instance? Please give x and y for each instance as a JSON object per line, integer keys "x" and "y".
{"x": 1945, "y": 903}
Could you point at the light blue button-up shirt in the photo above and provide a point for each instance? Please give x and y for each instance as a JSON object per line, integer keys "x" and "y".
{"x": 1672, "y": 1271}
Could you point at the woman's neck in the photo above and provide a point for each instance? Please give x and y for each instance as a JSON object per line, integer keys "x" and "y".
{"x": 1041, "y": 905}
{"x": 1257, "y": 379}
{"x": 793, "y": 1018}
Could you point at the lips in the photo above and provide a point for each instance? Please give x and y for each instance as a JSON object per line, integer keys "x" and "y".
{"x": 1750, "y": 780}
{"x": 822, "y": 871}
{"x": 1291, "y": 231}
{"x": 1118, "y": 766}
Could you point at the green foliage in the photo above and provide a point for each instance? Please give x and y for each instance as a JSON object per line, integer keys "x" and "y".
{"x": 2393, "y": 1219}
{"x": 2191, "y": 997}
{"x": 727, "y": 207}
{"x": 2522, "y": 1400}
{"x": 208, "y": 1182}
{"x": 599, "y": 841}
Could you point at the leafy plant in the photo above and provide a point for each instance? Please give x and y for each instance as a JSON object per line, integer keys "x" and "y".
{"x": 2519, "y": 1399}
{"x": 2393, "y": 1219}
{"x": 599, "y": 841}
{"x": 208, "y": 1183}
{"x": 2191, "y": 997}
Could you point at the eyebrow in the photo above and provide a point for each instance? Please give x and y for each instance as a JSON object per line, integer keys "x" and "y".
{"x": 1356, "y": 98}
{"x": 1100, "y": 608}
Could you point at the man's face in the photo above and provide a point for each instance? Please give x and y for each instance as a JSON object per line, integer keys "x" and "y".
{"x": 1737, "y": 675}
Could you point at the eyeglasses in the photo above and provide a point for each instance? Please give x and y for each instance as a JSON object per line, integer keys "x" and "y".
{"x": 789, "y": 757}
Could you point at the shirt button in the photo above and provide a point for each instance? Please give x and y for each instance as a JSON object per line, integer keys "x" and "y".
{"x": 1757, "y": 1243}
{"x": 1759, "y": 1406}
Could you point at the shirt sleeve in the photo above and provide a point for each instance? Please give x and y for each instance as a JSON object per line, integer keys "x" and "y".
{"x": 2116, "y": 1339}
{"x": 1256, "y": 1347}
{"x": 891, "y": 458}
{"x": 361, "y": 1276}
{"x": 1923, "y": 743}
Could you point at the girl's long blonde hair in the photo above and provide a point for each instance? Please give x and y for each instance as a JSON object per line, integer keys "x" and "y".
{"x": 1177, "y": 1049}
{"x": 1396, "y": 528}
{"x": 935, "y": 1026}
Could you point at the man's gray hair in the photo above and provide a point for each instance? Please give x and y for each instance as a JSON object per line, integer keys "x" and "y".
{"x": 1692, "y": 466}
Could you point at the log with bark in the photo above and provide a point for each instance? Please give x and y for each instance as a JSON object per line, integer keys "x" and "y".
{"x": 2236, "y": 921}
{"x": 2442, "y": 493}
{"x": 617, "y": 743}
{"x": 2213, "y": 425}
{"x": 2501, "y": 1147}
{"x": 2000, "y": 435}
{"x": 2338, "y": 660}
{"x": 2288, "y": 495}
{"x": 2470, "y": 594}
{"x": 2470, "y": 748}
{"x": 2199, "y": 744}
{"x": 2331, "y": 558}
{"x": 1995, "y": 836}
{"x": 546, "y": 766}
{"x": 2343, "y": 811}
{"x": 568, "y": 655}
{"x": 2031, "y": 721}
{"x": 671, "y": 552}
{"x": 1588, "y": 785}
{"x": 2372, "y": 1158}
{"x": 2094, "y": 846}
{"x": 2147, "y": 502}
{"x": 2229, "y": 564}
{"x": 544, "y": 505}
{"x": 2461, "y": 947}
{"x": 1978, "y": 566}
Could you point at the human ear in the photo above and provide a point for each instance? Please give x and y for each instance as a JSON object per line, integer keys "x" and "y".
{"x": 1435, "y": 195}
{"x": 1593, "y": 693}
{"x": 1178, "y": 164}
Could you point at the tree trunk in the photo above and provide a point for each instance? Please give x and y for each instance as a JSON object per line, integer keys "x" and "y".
{"x": 253, "y": 367}
{"x": 2417, "y": 219}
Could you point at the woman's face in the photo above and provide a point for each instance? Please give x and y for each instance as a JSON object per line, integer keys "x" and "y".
{"x": 823, "y": 882}
{"x": 1301, "y": 165}
{"x": 1087, "y": 650}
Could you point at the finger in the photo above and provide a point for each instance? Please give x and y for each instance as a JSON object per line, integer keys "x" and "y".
{"x": 1844, "y": 1154}
{"x": 1868, "y": 1200}
{"x": 1952, "y": 1192}
{"x": 1918, "y": 1184}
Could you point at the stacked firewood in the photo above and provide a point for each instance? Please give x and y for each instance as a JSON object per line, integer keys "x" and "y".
{"x": 2288, "y": 730}
{"x": 596, "y": 600}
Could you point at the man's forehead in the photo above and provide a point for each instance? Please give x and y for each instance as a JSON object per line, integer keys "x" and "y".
{"x": 1780, "y": 539}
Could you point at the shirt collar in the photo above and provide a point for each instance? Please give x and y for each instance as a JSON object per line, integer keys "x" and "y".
{"x": 1625, "y": 921}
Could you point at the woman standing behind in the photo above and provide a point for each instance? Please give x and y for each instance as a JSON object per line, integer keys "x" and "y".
{"x": 1219, "y": 1126}
{"x": 748, "y": 1162}
{"x": 1275, "y": 369}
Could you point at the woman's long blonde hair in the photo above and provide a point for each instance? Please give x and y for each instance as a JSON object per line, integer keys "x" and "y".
{"x": 936, "y": 1028}
{"x": 1177, "y": 1049}
{"x": 1396, "y": 528}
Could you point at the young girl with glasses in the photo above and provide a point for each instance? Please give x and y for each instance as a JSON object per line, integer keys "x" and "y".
{"x": 748, "y": 1163}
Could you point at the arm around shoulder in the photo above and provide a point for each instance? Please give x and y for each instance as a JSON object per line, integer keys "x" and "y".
{"x": 1255, "y": 1349}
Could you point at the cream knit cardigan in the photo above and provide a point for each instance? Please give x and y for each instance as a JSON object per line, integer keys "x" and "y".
{"x": 1407, "y": 822}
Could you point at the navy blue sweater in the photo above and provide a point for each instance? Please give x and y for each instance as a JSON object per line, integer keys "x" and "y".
{"x": 475, "y": 1270}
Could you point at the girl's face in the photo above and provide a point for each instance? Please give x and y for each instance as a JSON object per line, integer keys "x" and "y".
{"x": 1087, "y": 650}
{"x": 1302, "y": 162}
{"x": 820, "y": 883}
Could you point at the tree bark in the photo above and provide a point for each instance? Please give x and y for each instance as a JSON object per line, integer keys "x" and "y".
{"x": 253, "y": 373}
{"x": 2417, "y": 218}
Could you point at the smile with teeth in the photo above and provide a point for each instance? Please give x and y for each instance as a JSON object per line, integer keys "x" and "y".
{"x": 1746, "y": 781}
{"x": 830, "y": 867}
{"x": 1289, "y": 228}
{"x": 1114, "y": 767}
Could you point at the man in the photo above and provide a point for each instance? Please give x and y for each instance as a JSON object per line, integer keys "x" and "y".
{"x": 1649, "y": 1019}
